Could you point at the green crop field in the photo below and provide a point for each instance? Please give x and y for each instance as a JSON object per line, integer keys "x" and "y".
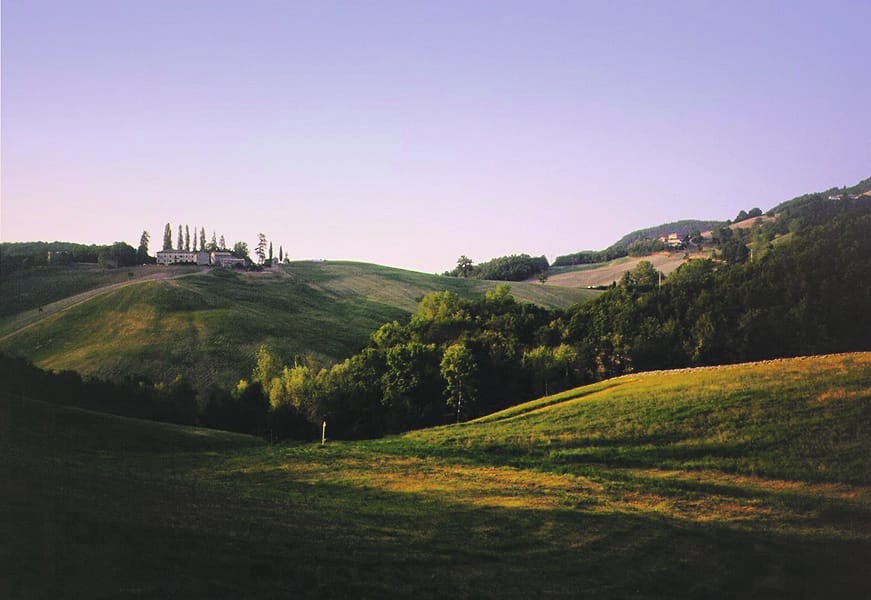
{"x": 745, "y": 481}
{"x": 207, "y": 327}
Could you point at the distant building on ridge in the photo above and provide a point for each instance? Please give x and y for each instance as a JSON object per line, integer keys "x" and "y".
{"x": 225, "y": 259}
{"x": 205, "y": 259}
{"x": 672, "y": 240}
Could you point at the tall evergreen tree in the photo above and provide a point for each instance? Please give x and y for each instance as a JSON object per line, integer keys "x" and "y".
{"x": 270, "y": 253}
{"x": 202, "y": 239}
{"x": 280, "y": 254}
{"x": 180, "y": 245}
{"x": 187, "y": 238}
{"x": 142, "y": 251}
{"x": 167, "y": 237}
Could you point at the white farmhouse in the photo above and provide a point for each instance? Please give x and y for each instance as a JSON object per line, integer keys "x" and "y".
{"x": 203, "y": 259}
{"x": 176, "y": 257}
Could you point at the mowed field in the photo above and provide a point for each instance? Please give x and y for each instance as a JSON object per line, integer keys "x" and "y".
{"x": 583, "y": 276}
{"x": 207, "y": 325}
{"x": 746, "y": 481}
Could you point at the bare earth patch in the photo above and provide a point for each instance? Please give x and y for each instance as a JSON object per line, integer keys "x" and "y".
{"x": 666, "y": 262}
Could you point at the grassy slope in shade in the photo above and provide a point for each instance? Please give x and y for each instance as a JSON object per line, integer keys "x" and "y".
{"x": 208, "y": 327}
{"x": 747, "y": 481}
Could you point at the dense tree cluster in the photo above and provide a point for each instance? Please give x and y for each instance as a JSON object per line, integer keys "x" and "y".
{"x": 590, "y": 257}
{"x": 454, "y": 359}
{"x": 243, "y": 410}
{"x": 743, "y": 215}
{"x": 25, "y": 255}
{"x": 646, "y": 247}
{"x": 174, "y": 403}
{"x": 517, "y": 267}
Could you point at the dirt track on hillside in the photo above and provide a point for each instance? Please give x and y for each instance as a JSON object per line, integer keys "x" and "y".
{"x": 29, "y": 318}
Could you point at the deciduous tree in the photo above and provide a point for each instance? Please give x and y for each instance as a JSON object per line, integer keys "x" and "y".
{"x": 464, "y": 265}
{"x": 458, "y": 369}
{"x": 240, "y": 249}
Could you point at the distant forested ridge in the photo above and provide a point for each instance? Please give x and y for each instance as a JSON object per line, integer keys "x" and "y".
{"x": 517, "y": 267}
{"x": 797, "y": 203}
{"x": 683, "y": 228}
{"x": 639, "y": 243}
{"x": 22, "y": 255}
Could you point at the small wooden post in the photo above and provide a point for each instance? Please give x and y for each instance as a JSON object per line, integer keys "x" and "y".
{"x": 324, "y": 432}
{"x": 459, "y": 401}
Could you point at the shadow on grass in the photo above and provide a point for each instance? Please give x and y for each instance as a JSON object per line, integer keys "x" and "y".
{"x": 169, "y": 514}
{"x": 84, "y": 524}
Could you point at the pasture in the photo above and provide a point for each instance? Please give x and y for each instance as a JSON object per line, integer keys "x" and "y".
{"x": 747, "y": 481}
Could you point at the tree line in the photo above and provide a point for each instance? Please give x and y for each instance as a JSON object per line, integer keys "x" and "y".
{"x": 517, "y": 267}
{"x": 17, "y": 256}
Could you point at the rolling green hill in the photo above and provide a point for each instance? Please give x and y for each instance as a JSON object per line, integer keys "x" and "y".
{"x": 30, "y": 289}
{"x": 207, "y": 327}
{"x": 746, "y": 481}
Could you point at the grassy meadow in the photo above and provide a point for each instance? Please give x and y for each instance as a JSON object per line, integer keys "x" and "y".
{"x": 31, "y": 289}
{"x": 746, "y": 481}
{"x": 207, "y": 327}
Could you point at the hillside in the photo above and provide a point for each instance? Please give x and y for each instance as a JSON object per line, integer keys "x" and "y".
{"x": 36, "y": 288}
{"x": 747, "y": 481}
{"x": 207, "y": 327}
{"x": 682, "y": 228}
{"x": 601, "y": 268}
{"x": 602, "y": 274}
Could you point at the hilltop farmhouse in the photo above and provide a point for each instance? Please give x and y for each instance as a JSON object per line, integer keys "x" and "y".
{"x": 672, "y": 240}
{"x": 214, "y": 258}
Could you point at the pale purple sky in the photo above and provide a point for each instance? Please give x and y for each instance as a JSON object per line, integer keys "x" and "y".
{"x": 408, "y": 133}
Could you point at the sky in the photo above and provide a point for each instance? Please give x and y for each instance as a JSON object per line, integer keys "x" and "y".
{"x": 408, "y": 133}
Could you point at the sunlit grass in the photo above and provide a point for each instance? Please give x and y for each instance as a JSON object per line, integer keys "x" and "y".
{"x": 734, "y": 482}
